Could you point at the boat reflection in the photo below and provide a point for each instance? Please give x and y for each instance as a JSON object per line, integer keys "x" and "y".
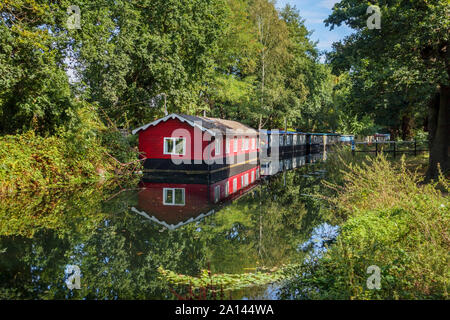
{"x": 177, "y": 202}
{"x": 174, "y": 204}
{"x": 272, "y": 167}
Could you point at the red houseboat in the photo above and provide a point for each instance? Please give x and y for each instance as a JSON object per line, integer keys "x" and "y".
{"x": 196, "y": 149}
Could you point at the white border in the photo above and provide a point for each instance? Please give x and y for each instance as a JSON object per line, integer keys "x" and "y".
{"x": 171, "y": 226}
{"x": 173, "y": 116}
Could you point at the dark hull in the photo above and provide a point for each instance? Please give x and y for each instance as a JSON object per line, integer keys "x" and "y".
{"x": 164, "y": 170}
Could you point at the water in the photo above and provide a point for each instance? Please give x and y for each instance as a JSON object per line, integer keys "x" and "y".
{"x": 120, "y": 237}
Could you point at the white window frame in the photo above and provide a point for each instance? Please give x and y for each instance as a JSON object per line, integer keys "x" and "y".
{"x": 235, "y": 145}
{"x": 173, "y": 190}
{"x": 234, "y": 185}
{"x": 246, "y": 179}
{"x": 253, "y": 143}
{"x": 174, "y": 140}
{"x": 216, "y": 193}
{"x": 252, "y": 177}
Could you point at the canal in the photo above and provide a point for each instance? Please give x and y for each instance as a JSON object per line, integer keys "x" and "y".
{"x": 129, "y": 246}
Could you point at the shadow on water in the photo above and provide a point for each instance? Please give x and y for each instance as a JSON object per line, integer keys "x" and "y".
{"x": 119, "y": 240}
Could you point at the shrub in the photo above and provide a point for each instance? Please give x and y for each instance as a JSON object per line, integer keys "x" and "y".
{"x": 393, "y": 221}
{"x": 29, "y": 161}
{"x": 77, "y": 154}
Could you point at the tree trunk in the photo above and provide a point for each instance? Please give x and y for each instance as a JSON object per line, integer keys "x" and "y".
{"x": 439, "y": 125}
{"x": 407, "y": 123}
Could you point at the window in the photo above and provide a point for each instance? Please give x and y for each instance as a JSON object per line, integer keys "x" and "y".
{"x": 235, "y": 185}
{"x": 217, "y": 145}
{"x": 175, "y": 146}
{"x": 173, "y": 196}
{"x": 289, "y": 140}
{"x": 253, "y": 143}
{"x": 244, "y": 180}
{"x": 235, "y": 146}
{"x": 216, "y": 194}
{"x": 245, "y": 143}
{"x": 227, "y": 145}
{"x": 281, "y": 141}
{"x": 253, "y": 176}
{"x": 227, "y": 188}
{"x": 257, "y": 173}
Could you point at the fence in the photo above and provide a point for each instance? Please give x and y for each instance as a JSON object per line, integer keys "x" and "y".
{"x": 392, "y": 147}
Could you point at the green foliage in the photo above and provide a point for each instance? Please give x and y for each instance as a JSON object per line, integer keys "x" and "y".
{"x": 223, "y": 282}
{"x": 120, "y": 147}
{"x": 29, "y": 161}
{"x": 61, "y": 210}
{"x": 34, "y": 88}
{"x": 130, "y": 52}
{"x": 392, "y": 221}
{"x": 399, "y": 74}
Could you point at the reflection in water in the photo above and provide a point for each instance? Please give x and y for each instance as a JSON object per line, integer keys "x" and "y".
{"x": 176, "y": 204}
{"x": 119, "y": 240}
{"x": 321, "y": 237}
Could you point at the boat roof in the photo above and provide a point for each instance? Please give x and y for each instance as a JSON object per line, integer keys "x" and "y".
{"x": 280, "y": 131}
{"x": 210, "y": 125}
{"x": 298, "y": 132}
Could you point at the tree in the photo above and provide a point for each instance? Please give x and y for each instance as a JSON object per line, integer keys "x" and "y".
{"x": 128, "y": 53}
{"x": 231, "y": 92}
{"x": 414, "y": 39}
{"x": 273, "y": 41}
{"x": 34, "y": 87}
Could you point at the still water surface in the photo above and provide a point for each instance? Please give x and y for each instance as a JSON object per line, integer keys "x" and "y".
{"x": 118, "y": 240}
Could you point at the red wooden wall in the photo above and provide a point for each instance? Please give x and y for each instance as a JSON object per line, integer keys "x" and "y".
{"x": 151, "y": 141}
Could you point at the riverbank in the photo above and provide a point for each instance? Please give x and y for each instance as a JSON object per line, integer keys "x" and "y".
{"x": 31, "y": 162}
{"x": 389, "y": 220}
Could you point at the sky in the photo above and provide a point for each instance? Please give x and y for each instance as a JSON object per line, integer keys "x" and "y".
{"x": 315, "y": 12}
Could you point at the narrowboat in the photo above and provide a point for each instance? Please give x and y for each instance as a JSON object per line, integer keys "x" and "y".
{"x": 282, "y": 142}
{"x": 331, "y": 140}
{"x": 346, "y": 139}
{"x": 316, "y": 143}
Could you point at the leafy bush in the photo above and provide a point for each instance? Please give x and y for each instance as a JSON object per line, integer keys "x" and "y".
{"x": 29, "y": 161}
{"x": 393, "y": 221}
{"x": 79, "y": 153}
{"x": 122, "y": 148}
